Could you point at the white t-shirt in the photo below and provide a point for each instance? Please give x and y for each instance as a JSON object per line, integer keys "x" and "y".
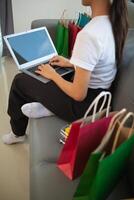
{"x": 94, "y": 50}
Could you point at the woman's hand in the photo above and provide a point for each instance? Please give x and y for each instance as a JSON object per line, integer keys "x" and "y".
{"x": 46, "y": 70}
{"x": 60, "y": 61}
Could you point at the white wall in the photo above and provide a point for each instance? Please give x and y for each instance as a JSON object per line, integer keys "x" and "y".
{"x": 24, "y": 11}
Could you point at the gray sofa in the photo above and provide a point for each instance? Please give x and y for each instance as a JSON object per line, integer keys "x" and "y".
{"x": 46, "y": 181}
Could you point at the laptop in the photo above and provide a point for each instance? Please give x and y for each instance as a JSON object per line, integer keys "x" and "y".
{"x": 32, "y": 48}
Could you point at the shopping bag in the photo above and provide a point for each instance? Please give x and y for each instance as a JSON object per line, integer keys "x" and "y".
{"x": 130, "y": 172}
{"x": 65, "y": 131}
{"x": 73, "y": 30}
{"x": 62, "y": 40}
{"x": 83, "y": 139}
{"x": 83, "y": 19}
{"x": 60, "y": 29}
{"x": 65, "y": 49}
{"x": 103, "y": 171}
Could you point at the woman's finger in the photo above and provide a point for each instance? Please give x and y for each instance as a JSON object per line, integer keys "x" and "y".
{"x": 38, "y": 72}
{"x": 54, "y": 59}
{"x": 54, "y": 63}
{"x": 39, "y": 67}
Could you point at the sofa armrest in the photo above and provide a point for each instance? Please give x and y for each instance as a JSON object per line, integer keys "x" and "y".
{"x": 49, "y": 23}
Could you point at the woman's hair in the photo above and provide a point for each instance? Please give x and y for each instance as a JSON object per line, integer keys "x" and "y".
{"x": 119, "y": 20}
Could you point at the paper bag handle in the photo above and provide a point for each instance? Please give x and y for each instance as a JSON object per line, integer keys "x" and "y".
{"x": 125, "y": 119}
{"x": 62, "y": 18}
{"x": 110, "y": 129}
{"x": 94, "y": 105}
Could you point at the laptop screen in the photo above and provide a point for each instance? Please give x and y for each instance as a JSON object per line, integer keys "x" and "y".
{"x": 31, "y": 46}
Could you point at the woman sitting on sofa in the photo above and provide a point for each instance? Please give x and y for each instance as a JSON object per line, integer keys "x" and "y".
{"x": 97, "y": 53}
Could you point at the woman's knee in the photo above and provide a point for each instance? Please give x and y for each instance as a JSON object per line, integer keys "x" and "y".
{"x": 19, "y": 76}
{"x": 19, "y": 80}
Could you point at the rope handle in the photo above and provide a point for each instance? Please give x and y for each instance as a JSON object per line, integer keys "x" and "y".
{"x": 62, "y": 18}
{"x": 125, "y": 119}
{"x": 94, "y": 105}
{"x": 110, "y": 129}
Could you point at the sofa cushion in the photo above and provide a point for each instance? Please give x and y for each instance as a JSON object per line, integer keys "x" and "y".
{"x": 131, "y": 14}
{"x": 44, "y": 139}
{"x": 123, "y": 90}
{"x": 49, "y": 23}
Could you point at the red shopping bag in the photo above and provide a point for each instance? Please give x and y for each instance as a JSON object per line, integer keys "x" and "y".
{"x": 73, "y": 31}
{"x": 82, "y": 140}
{"x": 80, "y": 143}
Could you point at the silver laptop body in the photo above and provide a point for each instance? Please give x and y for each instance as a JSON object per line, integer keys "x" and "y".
{"x": 32, "y": 48}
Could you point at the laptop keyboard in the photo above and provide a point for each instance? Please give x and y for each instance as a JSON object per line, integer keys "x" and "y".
{"x": 59, "y": 70}
{"x": 33, "y": 69}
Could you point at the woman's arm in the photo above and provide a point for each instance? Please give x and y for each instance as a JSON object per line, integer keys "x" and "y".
{"x": 76, "y": 89}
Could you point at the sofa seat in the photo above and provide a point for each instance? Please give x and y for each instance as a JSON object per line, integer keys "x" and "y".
{"x": 47, "y": 181}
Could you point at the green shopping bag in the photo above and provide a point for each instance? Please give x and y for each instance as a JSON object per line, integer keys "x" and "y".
{"x": 103, "y": 172}
{"x": 61, "y": 41}
{"x": 65, "y": 48}
{"x": 60, "y": 30}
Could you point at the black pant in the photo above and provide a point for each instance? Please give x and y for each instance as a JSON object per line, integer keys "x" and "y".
{"x": 26, "y": 89}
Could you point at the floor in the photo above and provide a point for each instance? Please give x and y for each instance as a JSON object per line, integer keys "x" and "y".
{"x": 14, "y": 159}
